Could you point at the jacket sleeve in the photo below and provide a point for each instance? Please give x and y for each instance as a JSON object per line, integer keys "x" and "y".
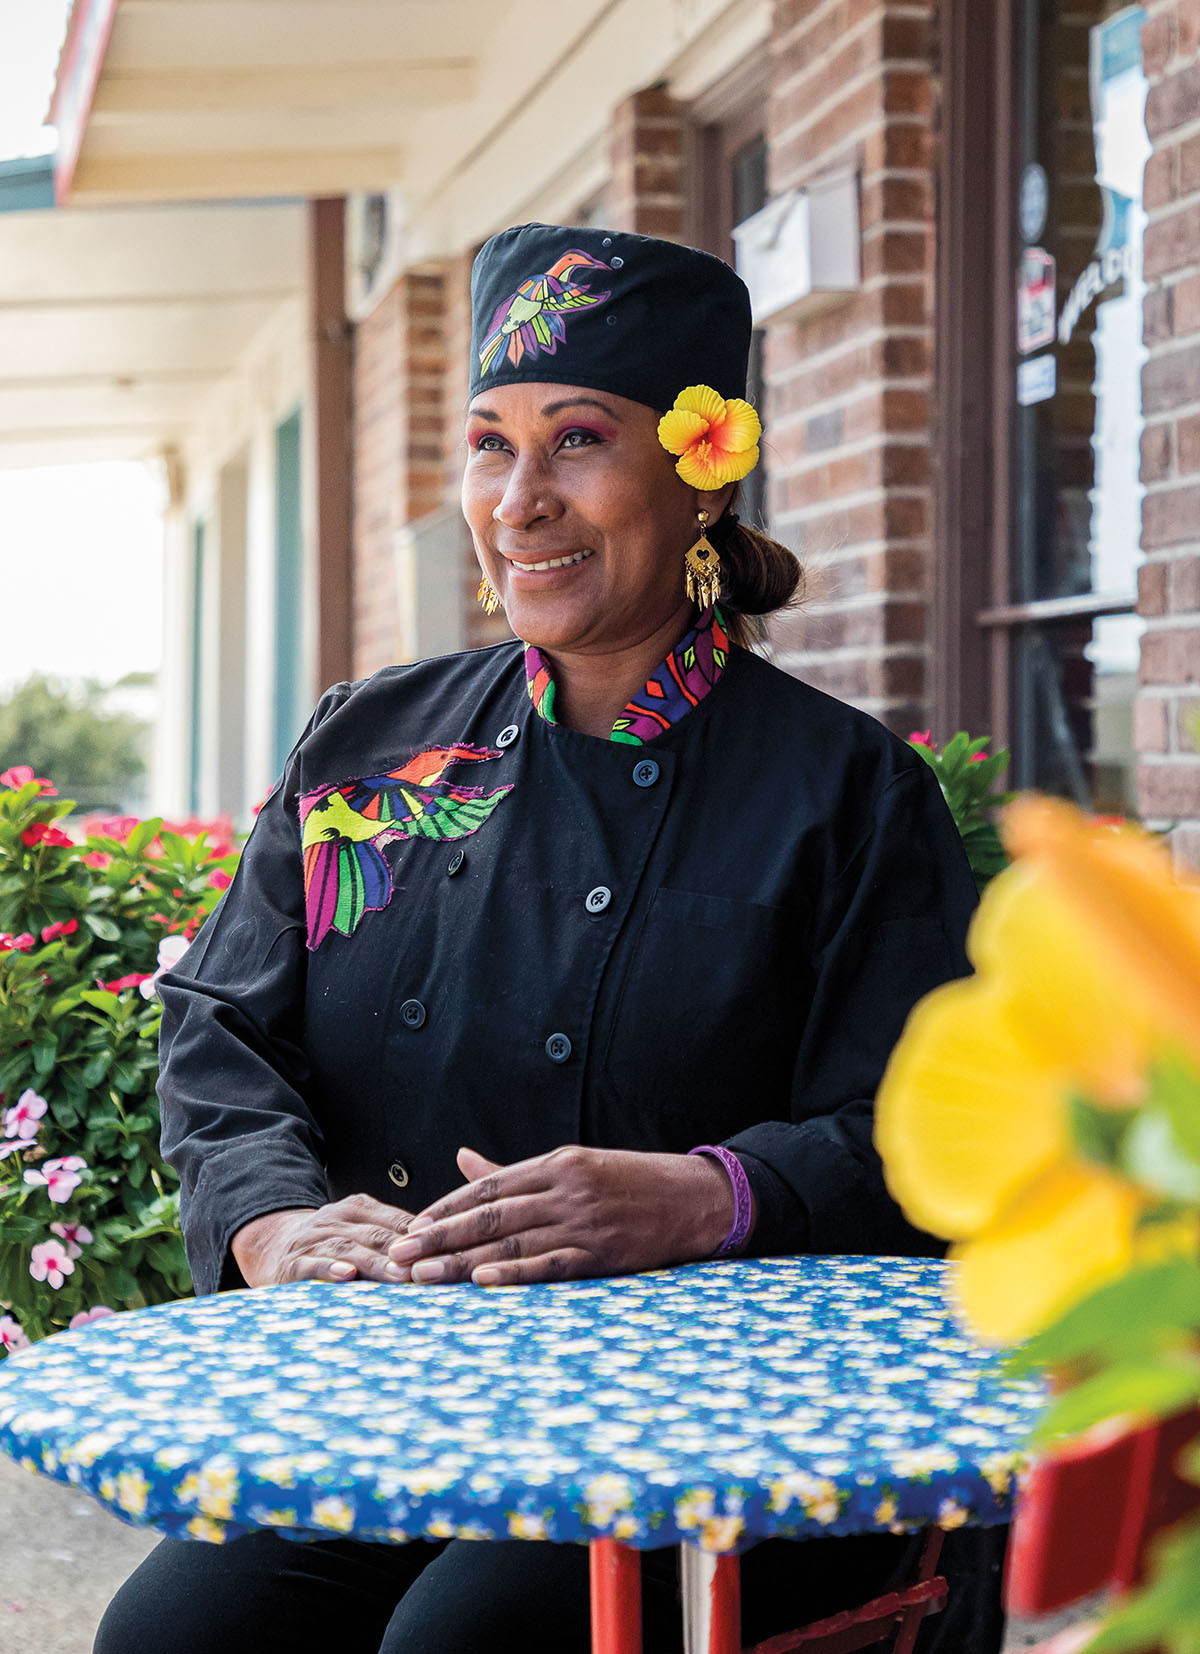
{"x": 890, "y": 926}
{"x": 235, "y": 1123}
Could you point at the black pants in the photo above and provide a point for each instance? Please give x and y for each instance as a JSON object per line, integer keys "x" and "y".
{"x": 266, "y": 1595}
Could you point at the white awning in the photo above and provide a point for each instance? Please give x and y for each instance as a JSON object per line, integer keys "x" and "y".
{"x": 468, "y": 108}
{"x": 116, "y": 324}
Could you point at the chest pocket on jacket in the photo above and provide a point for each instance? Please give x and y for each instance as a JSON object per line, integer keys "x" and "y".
{"x": 709, "y": 1015}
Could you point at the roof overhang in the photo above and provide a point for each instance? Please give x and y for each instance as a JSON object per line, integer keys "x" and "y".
{"x": 117, "y": 324}
{"x": 464, "y": 106}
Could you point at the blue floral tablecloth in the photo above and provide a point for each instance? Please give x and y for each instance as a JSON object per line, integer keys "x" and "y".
{"x": 717, "y": 1404}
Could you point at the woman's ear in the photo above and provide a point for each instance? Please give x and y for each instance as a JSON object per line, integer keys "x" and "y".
{"x": 714, "y": 500}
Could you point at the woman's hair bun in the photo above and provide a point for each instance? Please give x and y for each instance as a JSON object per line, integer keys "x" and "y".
{"x": 760, "y": 576}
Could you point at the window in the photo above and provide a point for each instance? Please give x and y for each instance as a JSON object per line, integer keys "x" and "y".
{"x": 1077, "y": 341}
{"x": 732, "y": 185}
{"x": 1039, "y": 385}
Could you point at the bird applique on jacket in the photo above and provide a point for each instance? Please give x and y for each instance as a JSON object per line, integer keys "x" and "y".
{"x": 532, "y": 320}
{"x": 343, "y": 827}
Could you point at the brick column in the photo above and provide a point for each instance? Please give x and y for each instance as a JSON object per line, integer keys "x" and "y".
{"x": 478, "y": 629}
{"x": 1169, "y": 583}
{"x": 849, "y": 390}
{"x": 646, "y": 184}
{"x": 399, "y": 432}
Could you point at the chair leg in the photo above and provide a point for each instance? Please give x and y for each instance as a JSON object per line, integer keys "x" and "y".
{"x": 906, "y": 1636}
{"x": 616, "y": 1593}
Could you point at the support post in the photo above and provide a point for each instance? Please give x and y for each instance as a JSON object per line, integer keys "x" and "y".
{"x": 329, "y": 441}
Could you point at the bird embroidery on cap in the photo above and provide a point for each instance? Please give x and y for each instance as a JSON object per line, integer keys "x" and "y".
{"x": 532, "y": 320}
{"x": 343, "y": 827}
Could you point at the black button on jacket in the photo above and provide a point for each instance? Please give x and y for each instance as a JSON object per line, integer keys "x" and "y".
{"x": 780, "y": 898}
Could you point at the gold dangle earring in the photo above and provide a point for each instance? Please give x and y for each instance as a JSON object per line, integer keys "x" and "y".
{"x": 702, "y": 566}
{"x": 487, "y": 596}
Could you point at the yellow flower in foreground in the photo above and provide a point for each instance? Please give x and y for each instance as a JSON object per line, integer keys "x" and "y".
{"x": 1087, "y": 954}
{"x": 716, "y": 439}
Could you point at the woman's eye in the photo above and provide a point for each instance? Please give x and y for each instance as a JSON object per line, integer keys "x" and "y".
{"x": 489, "y": 444}
{"x": 579, "y": 439}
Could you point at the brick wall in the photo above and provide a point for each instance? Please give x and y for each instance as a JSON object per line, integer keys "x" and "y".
{"x": 1169, "y": 585}
{"x": 479, "y": 629}
{"x": 646, "y": 183}
{"x": 849, "y": 390}
{"x": 399, "y": 461}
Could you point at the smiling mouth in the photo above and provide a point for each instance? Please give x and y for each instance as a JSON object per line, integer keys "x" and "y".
{"x": 553, "y": 562}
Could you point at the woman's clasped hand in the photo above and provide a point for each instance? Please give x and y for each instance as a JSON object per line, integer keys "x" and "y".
{"x": 340, "y": 1241}
{"x": 571, "y": 1213}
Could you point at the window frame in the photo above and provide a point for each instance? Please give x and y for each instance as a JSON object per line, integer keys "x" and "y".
{"x": 977, "y": 624}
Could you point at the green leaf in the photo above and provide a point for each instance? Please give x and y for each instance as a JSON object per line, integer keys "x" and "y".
{"x": 1100, "y": 1132}
{"x": 96, "y": 1068}
{"x": 1138, "y": 1390}
{"x": 126, "y": 1076}
{"x": 1152, "y": 1156}
{"x": 102, "y": 927}
{"x": 1166, "y": 1613}
{"x": 101, "y": 999}
{"x": 1175, "y": 1087}
{"x": 1133, "y": 1315}
{"x": 143, "y": 835}
{"x": 122, "y": 1283}
{"x": 45, "y": 1056}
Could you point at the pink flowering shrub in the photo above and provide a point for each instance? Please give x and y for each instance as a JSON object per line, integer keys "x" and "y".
{"x": 89, "y": 1212}
{"x": 966, "y": 776}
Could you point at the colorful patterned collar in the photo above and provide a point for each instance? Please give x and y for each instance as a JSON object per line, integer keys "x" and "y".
{"x": 679, "y": 684}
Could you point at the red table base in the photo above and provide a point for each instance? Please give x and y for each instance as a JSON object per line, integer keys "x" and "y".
{"x": 616, "y": 1573}
{"x": 714, "y": 1624}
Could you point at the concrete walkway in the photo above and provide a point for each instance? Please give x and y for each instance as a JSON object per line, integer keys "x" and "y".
{"x": 62, "y": 1556}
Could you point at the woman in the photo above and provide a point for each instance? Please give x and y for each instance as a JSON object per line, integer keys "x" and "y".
{"x": 488, "y": 978}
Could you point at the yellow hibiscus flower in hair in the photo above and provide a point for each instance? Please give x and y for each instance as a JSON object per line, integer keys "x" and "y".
{"x": 1087, "y": 955}
{"x": 717, "y": 440}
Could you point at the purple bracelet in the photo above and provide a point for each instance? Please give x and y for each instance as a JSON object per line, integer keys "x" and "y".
{"x": 743, "y": 1203}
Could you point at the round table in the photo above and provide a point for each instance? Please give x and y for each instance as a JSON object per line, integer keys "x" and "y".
{"x": 709, "y": 1406}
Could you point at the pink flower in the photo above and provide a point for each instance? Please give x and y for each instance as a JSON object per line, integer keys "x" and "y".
{"x": 42, "y": 832}
{"x": 16, "y": 944}
{"x": 921, "y": 738}
{"x": 170, "y": 951}
{"x": 11, "y": 1145}
{"x": 59, "y": 1177}
{"x": 74, "y": 1237}
{"x": 219, "y": 831}
{"x": 21, "y": 775}
{"x": 86, "y": 1315}
{"x": 22, "y": 1119}
{"x": 978, "y": 758}
{"x": 219, "y": 880}
{"x": 110, "y": 826}
{"x": 11, "y": 1336}
{"x": 50, "y": 1261}
{"x": 97, "y": 859}
{"x": 51, "y": 933}
{"x": 133, "y": 980}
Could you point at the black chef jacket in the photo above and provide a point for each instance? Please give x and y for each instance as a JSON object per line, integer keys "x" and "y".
{"x": 721, "y": 951}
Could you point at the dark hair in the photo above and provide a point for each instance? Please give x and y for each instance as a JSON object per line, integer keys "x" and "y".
{"x": 760, "y": 576}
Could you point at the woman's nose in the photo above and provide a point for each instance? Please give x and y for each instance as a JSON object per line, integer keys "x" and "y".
{"x": 526, "y": 499}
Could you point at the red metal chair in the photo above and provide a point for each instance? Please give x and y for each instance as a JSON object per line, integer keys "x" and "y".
{"x": 1086, "y": 1518}
{"x": 712, "y": 1607}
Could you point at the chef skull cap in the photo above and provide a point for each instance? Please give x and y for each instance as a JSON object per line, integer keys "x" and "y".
{"x": 628, "y": 314}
